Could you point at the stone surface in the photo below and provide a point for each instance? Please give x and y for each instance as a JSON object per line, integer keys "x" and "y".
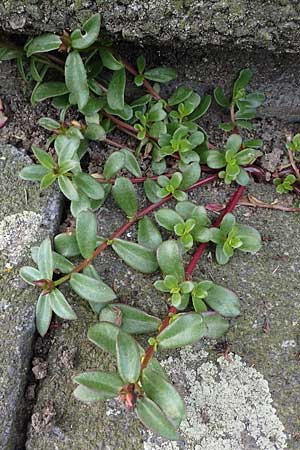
{"x": 268, "y": 286}
{"x": 26, "y": 216}
{"x": 272, "y": 25}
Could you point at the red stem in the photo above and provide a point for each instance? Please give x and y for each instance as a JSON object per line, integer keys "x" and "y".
{"x": 230, "y": 207}
{"x": 147, "y": 85}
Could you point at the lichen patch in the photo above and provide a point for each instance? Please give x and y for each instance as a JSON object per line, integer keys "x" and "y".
{"x": 17, "y": 233}
{"x": 229, "y": 406}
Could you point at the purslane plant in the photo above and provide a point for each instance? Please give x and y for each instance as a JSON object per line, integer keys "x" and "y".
{"x": 91, "y": 88}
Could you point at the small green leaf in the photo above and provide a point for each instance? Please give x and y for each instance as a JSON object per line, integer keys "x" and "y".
{"x": 108, "y": 384}
{"x": 201, "y": 109}
{"x": 170, "y": 259}
{"x": 221, "y": 98}
{"x": 68, "y": 188}
{"x": 30, "y": 274}
{"x": 216, "y": 159}
{"x": 250, "y": 238}
{"x": 61, "y": 263}
{"x": 76, "y": 79}
{"x": 128, "y": 357}
{"x": 152, "y": 191}
{"x": 116, "y": 89}
{"x": 91, "y": 289}
{"x": 164, "y": 395}
{"x": 179, "y": 95}
{"x": 223, "y": 301}
{"x": 114, "y": 163}
{"x": 190, "y": 175}
{"x": 138, "y": 257}
{"x": 66, "y": 147}
{"x": 45, "y": 259}
{"x": 47, "y": 180}
{"x": 148, "y": 234}
{"x": 43, "y": 43}
{"x": 60, "y": 305}
{"x": 33, "y": 173}
{"x": 131, "y": 163}
{"x": 43, "y": 314}
{"x": 48, "y": 123}
{"x": 91, "y": 30}
{"x": 125, "y": 196}
{"x": 152, "y": 417}
{"x": 88, "y": 184}
{"x": 95, "y": 132}
{"x": 161, "y": 74}
{"x": 133, "y": 320}
{"x": 86, "y": 231}
{"x": 186, "y": 329}
{"x": 243, "y": 80}
{"x": 66, "y": 244}
{"x": 108, "y": 60}
{"x": 104, "y": 335}
{"x": 43, "y": 157}
{"x": 216, "y": 326}
{"x": 168, "y": 218}
{"x": 87, "y": 395}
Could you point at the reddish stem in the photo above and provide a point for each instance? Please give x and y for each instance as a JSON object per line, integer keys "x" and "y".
{"x": 134, "y": 180}
{"x": 116, "y": 144}
{"x": 147, "y": 85}
{"x": 230, "y": 207}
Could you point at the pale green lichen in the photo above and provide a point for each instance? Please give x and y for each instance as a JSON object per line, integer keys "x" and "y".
{"x": 229, "y": 406}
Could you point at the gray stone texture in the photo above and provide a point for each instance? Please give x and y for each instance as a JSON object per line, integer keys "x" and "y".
{"x": 272, "y": 25}
{"x": 26, "y": 216}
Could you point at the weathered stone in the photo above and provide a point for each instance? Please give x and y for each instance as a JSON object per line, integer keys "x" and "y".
{"x": 26, "y": 216}
{"x": 268, "y": 286}
{"x": 272, "y": 25}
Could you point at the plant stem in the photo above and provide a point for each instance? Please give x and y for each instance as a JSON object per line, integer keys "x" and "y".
{"x": 147, "y": 85}
{"x": 116, "y": 144}
{"x": 293, "y": 164}
{"x": 128, "y": 225}
{"x": 191, "y": 267}
{"x": 230, "y": 207}
{"x": 133, "y": 180}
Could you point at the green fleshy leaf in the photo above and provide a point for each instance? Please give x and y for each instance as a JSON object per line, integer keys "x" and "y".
{"x": 91, "y": 30}
{"x": 86, "y": 231}
{"x": 49, "y": 89}
{"x": 152, "y": 191}
{"x": 128, "y": 358}
{"x": 48, "y": 123}
{"x": 164, "y": 395}
{"x": 179, "y": 95}
{"x": 216, "y": 159}
{"x": 43, "y": 157}
{"x": 186, "y": 329}
{"x": 66, "y": 244}
{"x": 221, "y": 98}
{"x": 148, "y": 234}
{"x": 68, "y": 188}
{"x": 223, "y": 301}
{"x": 139, "y": 258}
{"x": 116, "y": 89}
{"x": 87, "y": 395}
{"x": 170, "y": 259}
{"x": 33, "y": 173}
{"x": 43, "y": 43}
{"x": 202, "y": 109}
{"x": 108, "y": 60}
{"x": 125, "y": 196}
{"x": 104, "y": 335}
{"x": 89, "y": 185}
{"x": 43, "y": 314}
{"x": 221, "y": 257}
{"x": 66, "y": 147}
{"x": 131, "y": 163}
{"x": 216, "y": 326}
{"x": 47, "y": 180}
{"x": 107, "y": 384}
{"x": 243, "y": 80}
{"x": 191, "y": 175}
{"x": 161, "y": 74}
{"x": 114, "y": 163}
{"x": 168, "y": 218}
{"x": 91, "y": 289}
{"x": 61, "y": 263}
{"x": 95, "y": 132}
{"x": 250, "y": 238}
{"x": 76, "y": 79}
{"x": 60, "y": 305}
{"x": 30, "y": 274}
{"x": 45, "y": 259}
{"x": 133, "y": 320}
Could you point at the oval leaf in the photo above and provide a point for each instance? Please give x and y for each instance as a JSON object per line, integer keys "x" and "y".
{"x": 136, "y": 256}
{"x": 184, "y": 330}
{"x": 222, "y": 300}
{"x": 108, "y": 384}
{"x": 86, "y": 232}
{"x": 114, "y": 163}
{"x": 66, "y": 244}
{"x": 60, "y": 305}
{"x": 91, "y": 289}
{"x": 170, "y": 259}
{"x": 104, "y": 335}
{"x": 43, "y": 314}
{"x": 128, "y": 358}
{"x": 76, "y": 79}
{"x": 91, "y": 30}
{"x": 216, "y": 326}
{"x": 45, "y": 259}
{"x": 133, "y": 320}
{"x": 43, "y": 43}
{"x": 148, "y": 234}
{"x": 116, "y": 89}
{"x": 125, "y": 196}
{"x": 152, "y": 417}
